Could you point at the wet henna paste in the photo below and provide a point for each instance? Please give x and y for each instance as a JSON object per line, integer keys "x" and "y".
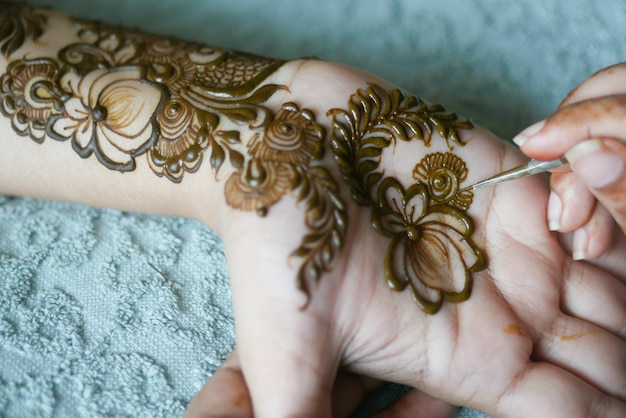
{"x": 118, "y": 95}
{"x": 431, "y": 250}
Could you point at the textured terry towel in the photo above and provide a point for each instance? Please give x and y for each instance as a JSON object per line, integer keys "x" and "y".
{"x": 104, "y": 313}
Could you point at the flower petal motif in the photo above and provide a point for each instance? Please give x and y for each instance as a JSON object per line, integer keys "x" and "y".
{"x": 431, "y": 249}
{"x": 184, "y": 135}
{"x": 443, "y": 173}
{"x": 111, "y": 114}
{"x": 258, "y": 186}
{"x": 27, "y": 96}
{"x": 292, "y": 137}
{"x": 399, "y": 208}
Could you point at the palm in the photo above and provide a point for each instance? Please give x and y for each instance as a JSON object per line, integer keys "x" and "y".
{"x": 477, "y": 353}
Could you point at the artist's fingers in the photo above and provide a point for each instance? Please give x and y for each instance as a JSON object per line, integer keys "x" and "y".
{"x": 551, "y": 138}
{"x": 417, "y": 404}
{"x": 572, "y": 208}
{"x": 600, "y": 165}
{"x": 225, "y": 395}
{"x": 606, "y": 82}
{"x": 571, "y": 204}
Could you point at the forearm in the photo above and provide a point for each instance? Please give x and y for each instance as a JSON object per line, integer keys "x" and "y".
{"x": 159, "y": 123}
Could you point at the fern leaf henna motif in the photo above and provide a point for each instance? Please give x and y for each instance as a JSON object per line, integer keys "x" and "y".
{"x": 118, "y": 95}
{"x": 431, "y": 250}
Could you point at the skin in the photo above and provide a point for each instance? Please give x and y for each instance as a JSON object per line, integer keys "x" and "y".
{"x": 540, "y": 335}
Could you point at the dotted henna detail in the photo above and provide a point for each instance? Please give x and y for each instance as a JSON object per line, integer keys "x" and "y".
{"x": 120, "y": 94}
{"x": 430, "y": 250}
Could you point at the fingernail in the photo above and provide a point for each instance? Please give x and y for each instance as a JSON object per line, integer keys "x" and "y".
{"x": 554, "y": 212}
{"x": 579, "y": 244}
{"x": 523, "y": 136}
{"x": 595, "y": 164}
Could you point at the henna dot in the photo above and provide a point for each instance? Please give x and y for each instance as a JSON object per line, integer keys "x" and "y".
{"x": 190, "y": 156}
{"x": 21, "y": 117}
{"x": 261, "y": 212}
{"x": 412, "y": 233}
{"x": 99, "y": 113}
{"x": 286, "y": 128}
{"x": 174, "y": 109}
{"x": 174, "y": 167}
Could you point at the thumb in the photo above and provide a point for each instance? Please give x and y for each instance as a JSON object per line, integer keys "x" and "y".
{"x": 288, "y": 354}
{"x": 599, "y": 163}
{"x": 287, "y": 364}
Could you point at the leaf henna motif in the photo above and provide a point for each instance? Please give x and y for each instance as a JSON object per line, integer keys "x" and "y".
{"x": 120, "y": 94}
{"x": 431, "y": 250}
{"x": 375, "y": 118}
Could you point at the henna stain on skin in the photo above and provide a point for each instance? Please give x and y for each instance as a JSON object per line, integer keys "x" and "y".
{"x": 514, "y": 329}
{"x": 118, "y": 95}
{"x": 430, "y": 251}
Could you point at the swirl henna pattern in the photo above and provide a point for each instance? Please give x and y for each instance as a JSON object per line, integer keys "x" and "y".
{"x": 431, "y": 249}
{"x": 119, "y": 94}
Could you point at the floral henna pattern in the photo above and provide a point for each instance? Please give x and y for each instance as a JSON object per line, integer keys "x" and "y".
{"x": 431, "y": 250}
{"x": 118, "y": 95}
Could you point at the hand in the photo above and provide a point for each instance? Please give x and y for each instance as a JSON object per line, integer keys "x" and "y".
{"x": 226, "y": 395}
{"x": 588, "y": 128}
{"x": 541, "y": 335}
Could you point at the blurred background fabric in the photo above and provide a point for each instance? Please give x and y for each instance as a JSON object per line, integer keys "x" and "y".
{"x": 106, "y": 313}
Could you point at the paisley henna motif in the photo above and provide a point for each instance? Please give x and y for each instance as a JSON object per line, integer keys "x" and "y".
{"x": 431, "y": 250}
{"x": 119, "y": 94}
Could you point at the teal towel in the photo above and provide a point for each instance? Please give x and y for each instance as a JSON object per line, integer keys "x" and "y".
{"x": 104, "y": 313}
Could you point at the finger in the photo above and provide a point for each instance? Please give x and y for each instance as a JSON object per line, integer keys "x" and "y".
{"x": 289, "y": 355}
{"x": 606, "y": 82}
{"x": 289, "y": 366}
{"x": 570, "y": 205}
{"x": 600, "y": 166}
{"x": 416, "y": 403}
{"x": 594, "y": 238}
{"x": 593, "y": 295}
{"x": 587, "y": 351}
{"x": 595, "y": 118}
{"x": 546, "y": 390}
{"x": 349, "y": 391}
{"x": 613, "y": 261}
{"x": 226, "y": 394}
{"x": 223, "y": 395}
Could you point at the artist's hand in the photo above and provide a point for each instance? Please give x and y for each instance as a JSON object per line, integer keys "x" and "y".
{"x": 590, "y": 129}
{"x": 541, "y": 335}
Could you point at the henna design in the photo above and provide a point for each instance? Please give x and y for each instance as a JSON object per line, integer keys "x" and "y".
{"x": 431, "y": 250}
{"x": 118, "y": 94}
{"x": 18, "y": 21}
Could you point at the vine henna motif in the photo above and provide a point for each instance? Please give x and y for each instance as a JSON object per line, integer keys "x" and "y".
{"x": 118, "y": 95}
{"x": 431, "y": 250}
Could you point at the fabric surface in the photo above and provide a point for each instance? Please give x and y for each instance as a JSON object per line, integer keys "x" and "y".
{"x": 104, "y": 313}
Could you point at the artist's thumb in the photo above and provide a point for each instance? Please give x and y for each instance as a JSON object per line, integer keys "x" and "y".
{"x": 600, "y": 165}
